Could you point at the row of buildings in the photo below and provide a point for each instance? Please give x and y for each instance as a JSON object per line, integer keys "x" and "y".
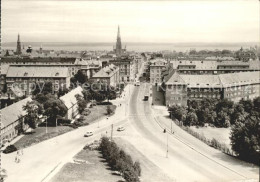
{"x": 25, "y": 76}
{"x": 20, "y": 73}
{"x": 185, "y": 80}
{"x": 180, "y": 88}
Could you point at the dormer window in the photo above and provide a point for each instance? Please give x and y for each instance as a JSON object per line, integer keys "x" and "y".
{"x": 25, "y": 74}
{"x": 57, "y": 74}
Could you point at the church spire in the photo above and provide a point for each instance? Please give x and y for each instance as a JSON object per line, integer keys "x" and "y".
{"x": 19, "y": 47}
{"x": 118, "y": 32}
{"x": 118, "y": 43}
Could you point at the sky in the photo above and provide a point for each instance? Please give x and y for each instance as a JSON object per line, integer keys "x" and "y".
{"x": 140, "y": 21}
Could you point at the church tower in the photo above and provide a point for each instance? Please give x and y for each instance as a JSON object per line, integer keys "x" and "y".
{"x": 19, "y": 47}
{"x": 118, "y": 43}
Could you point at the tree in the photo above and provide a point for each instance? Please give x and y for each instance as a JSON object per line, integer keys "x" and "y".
{"x": 137, "y": 168}
{"x": 130, "y": 175}
{"x": 19, "y": 126}
{"x": 41, "y": 98}
{"x": 247, "y": 105}
{"x": 177, "y": 112}
{"x": 191, "y": 119}
{"x": 62, "y": 91}
{"x": 82, "y": 104}
{"x": 87, "y": 95}
{"x": 238, "y": 115}
{"x": 33, "y": 109}
{"x": 44, "y": 88}
{"x": 54, "y": 108}
{"x": 79, "y": 77}
{"x": 245, "y": 139}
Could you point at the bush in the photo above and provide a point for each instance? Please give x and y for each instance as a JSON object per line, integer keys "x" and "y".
{"x": 216, "y": 144}
{"x": 109, "y": 110}
{"x": 119, "y": 160}
{"x": 104, "y": 103}
{"x": 10, "y": 149}
{"x": 80, "y": 119}
{"x": 63, "y": 121}
{"x": 86, "y": 112}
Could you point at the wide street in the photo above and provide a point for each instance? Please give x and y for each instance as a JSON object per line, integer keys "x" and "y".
{"x": 187, "y": 159}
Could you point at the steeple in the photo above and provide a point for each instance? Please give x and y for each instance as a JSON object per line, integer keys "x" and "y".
{"x": 118, "y": 43}
{"x": 19, "y": 47}
{"x": 118, "y": 32}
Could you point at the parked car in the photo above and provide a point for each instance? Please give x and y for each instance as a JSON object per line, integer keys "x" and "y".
{"x": 120, "y": 128}
{"x": 88, "y": 134}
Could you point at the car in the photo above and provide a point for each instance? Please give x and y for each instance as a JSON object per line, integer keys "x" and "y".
{"x": 120, "y": 128}
{"x": 137, "y": 83}
{"x": 146, "y": 97}
{"x": 88, "y": 134}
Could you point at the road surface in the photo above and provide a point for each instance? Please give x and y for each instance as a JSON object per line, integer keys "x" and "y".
{"x": 187, "y": 159}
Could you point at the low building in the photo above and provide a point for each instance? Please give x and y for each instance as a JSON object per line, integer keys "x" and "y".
{"x": 108, "y": 74}
{"x": 11, "y": 117}
{"x": 70, "y": 101}
{"x": 22, "y": 80}
{"x": 232, "y": 86}
{"x": 156, "y": 67}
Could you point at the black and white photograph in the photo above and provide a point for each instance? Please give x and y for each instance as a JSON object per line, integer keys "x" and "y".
{"x": 130, "y": 91}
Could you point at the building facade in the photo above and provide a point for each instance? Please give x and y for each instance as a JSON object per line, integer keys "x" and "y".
{"x": 209, "y": 67}
{"x": 11, "y": 117}
{"x": 126, "y": 68}
{"x": 108, "y": 74}
{"x": 70, "y": 101}
{"x": 156, "y": 67}
{"x": 21, "y": 81}
{"x": 232, "y": 86}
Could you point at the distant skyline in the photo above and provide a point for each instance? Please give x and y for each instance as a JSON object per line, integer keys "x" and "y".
{"x": 140, "y": 21}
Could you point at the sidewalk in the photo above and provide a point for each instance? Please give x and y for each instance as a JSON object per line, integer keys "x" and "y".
{"x": 44, "y": 159}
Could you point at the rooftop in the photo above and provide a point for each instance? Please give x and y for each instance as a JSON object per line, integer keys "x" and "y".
{"x": 216, "y": 81}
{"x": 13, "y": 112}
{"x": 36, "y": 71}
{"x": 69, "y": 99}
{"x": 213, "y": 65}
{"x": 106, "y": 72}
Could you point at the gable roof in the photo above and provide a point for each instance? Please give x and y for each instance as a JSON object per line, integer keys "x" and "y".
{"x": 106, "y": 72}
{"x": 13, "y": 112}
{"x": 36, "y": 71}
{"x": 175, "y": 79}
{"x": 241, "y": 78}
{"x": 216, "y": 81}
{"x": 69, "y": 99}
{"x": 203, "y": 81}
